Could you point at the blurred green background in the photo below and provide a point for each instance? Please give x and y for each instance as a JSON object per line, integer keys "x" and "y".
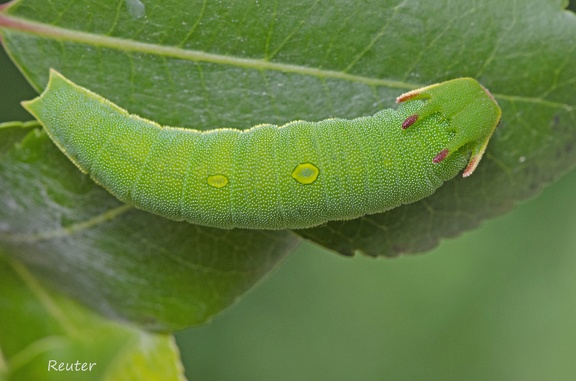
{"x": 498, "y": 303}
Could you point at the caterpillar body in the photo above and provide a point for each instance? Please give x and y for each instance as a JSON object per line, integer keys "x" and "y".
{"x": 293, "y": 176}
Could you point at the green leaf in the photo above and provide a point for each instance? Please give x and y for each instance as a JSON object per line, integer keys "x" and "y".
{"x": 39, "y": 328}
{"x": 235, "y": 64}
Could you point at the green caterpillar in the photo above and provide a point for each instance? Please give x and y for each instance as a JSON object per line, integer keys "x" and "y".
{"x": 294, "y": 176}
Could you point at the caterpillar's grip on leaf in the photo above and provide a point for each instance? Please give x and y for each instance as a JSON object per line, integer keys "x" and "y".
{"x": 273, "y": 177}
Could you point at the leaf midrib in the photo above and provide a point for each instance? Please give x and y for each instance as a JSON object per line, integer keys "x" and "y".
{"x": 63, "y": 34}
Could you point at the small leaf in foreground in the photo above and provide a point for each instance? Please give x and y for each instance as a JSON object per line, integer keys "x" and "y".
{"x": 42, "y": 332}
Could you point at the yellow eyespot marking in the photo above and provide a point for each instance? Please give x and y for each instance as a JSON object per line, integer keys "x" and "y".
{"x": 305, "y": 173}
{"x": 217, "y": 181}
